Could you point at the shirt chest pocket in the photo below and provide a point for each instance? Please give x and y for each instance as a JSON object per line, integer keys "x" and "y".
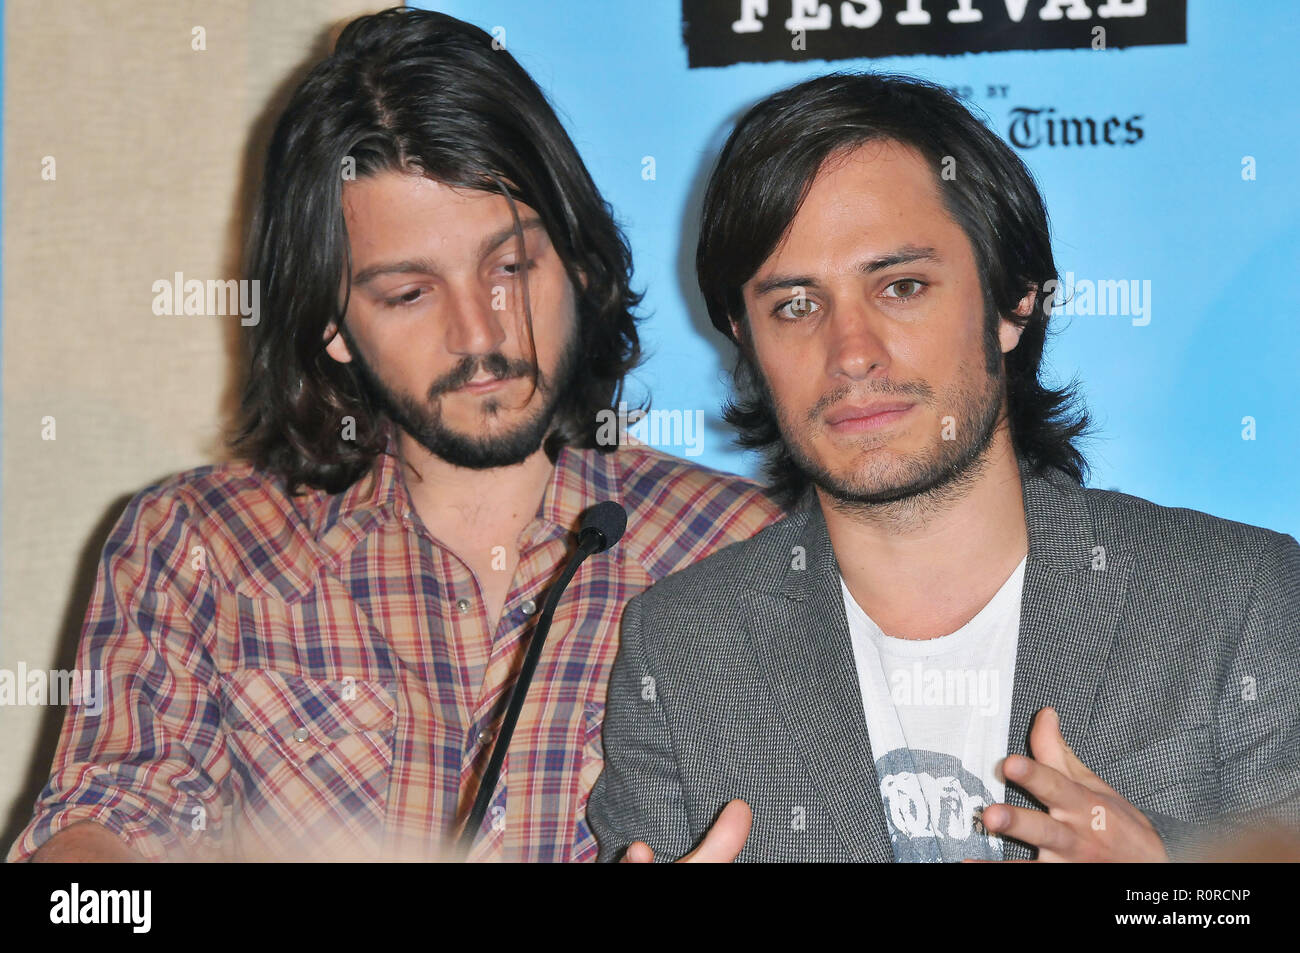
{"x": 309, "y": 752}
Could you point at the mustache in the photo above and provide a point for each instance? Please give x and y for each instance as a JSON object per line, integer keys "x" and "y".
{"x": 496, "y": 364}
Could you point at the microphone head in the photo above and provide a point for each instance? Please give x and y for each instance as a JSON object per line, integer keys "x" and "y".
{"x": 605, "y": 522}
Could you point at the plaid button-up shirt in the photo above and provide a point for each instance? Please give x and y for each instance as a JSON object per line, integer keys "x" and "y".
{"x": 315, "y": 677}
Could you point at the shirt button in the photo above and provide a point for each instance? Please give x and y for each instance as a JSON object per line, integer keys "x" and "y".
{"x": 529, "y": 607}
{"x": 462, "y": 605}
{"x": 484, "y": 737}
{"x": 302, "y": 734}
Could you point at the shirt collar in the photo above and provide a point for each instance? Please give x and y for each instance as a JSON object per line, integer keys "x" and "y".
{"x": 579, "y": 480}
{"x": 371, "y": 501}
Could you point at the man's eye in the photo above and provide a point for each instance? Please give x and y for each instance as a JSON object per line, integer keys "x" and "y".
{"x": 410, "y": 298}
{"x": 515, "y": 267}
{"x": 906, "y": 288}
{"x": 797, "y": 308}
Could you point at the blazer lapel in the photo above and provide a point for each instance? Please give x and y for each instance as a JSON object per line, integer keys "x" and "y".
{"x": 1073, "y": 593}
{"x": 801, "y": 637}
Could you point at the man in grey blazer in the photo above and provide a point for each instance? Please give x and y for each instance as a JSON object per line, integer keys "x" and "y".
{"x": 949, "y": 649}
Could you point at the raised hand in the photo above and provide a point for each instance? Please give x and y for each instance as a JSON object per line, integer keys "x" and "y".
{"x": 1086, "y": 819}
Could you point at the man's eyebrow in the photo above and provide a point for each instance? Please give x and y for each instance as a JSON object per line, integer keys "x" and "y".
{"x": 423, "y": 266}
{"x": 903, "y": 255}
{"x": 412, "y": 266}
{"x": 493, "y": 241}
{"x": 776, "y": 282}
{"x": 900, "y": 256}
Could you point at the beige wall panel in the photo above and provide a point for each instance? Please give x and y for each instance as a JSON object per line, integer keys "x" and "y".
{"x": 155, "y": 147}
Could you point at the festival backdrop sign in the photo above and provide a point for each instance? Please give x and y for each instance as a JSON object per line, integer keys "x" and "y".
{"x": 760, "y": 31}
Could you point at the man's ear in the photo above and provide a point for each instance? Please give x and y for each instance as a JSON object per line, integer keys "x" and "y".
{"x": 1008, "y": 335}
{"x": 582, "y": 278}
{"x": 337, "y": 348}
{"x": 1009, "y": 332}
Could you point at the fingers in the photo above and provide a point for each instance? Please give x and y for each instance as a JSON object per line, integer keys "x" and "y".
{"x": 1047, "y": 745}
{"x": 1047, "y": 784}
{"x": 1030, "y": 827}
{"x": 726, "y": 838}
{"x": 638, "y": 852}
{"x": 1079, "y": 805}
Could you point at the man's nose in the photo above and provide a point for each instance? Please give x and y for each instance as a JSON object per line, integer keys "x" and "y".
{"x": 474, "y": 327}
{"x": 855, "y": 347}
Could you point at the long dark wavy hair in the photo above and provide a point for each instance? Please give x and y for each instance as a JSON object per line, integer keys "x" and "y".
{"x": 762, "y": 177}
{"x": 411, "y": 91}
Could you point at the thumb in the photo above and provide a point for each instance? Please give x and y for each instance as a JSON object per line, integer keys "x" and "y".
{"x": 638, "y": 852}
{"x": 726, "y": 838}
{"x": 1071, "y": 765}
{"x": 1049, "y": 747}
{"x": 1046, "y": 743}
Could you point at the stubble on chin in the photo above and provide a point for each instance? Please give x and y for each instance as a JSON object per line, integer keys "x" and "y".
{"x": 880, "y": 485}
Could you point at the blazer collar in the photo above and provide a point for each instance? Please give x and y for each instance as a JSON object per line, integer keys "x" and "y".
{"x": 1060, "y": 529}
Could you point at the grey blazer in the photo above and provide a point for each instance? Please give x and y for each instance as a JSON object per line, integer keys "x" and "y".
{"x": 1175, "y": 670}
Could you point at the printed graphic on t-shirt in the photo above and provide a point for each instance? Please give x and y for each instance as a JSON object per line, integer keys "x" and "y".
{"x": 931, "y": 803}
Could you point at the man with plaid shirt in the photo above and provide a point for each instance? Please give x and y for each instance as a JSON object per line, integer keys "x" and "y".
{"x": 307, "y": 654}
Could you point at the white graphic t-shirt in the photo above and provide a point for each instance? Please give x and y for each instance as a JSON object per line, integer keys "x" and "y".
{"x": 938, "y": 712}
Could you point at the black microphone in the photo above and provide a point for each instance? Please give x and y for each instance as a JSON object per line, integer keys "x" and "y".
{"x": 602, "y": 526}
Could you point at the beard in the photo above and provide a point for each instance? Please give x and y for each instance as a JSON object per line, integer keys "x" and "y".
{"x": 919, "y": 482}
{"x": 422, "y": 420}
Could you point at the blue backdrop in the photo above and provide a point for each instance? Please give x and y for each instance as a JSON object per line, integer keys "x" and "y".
{"x": 1175, "y": 387}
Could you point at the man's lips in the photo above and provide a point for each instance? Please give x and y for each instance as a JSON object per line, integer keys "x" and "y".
{"x": 484, "y": 386}
{"x": 856, "y": 417}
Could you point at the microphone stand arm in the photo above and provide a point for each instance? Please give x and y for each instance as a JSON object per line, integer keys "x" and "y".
{"x": 588, "y": 543}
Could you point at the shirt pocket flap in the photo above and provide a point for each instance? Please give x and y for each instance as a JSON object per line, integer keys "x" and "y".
{"x": 305, "y": 716}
